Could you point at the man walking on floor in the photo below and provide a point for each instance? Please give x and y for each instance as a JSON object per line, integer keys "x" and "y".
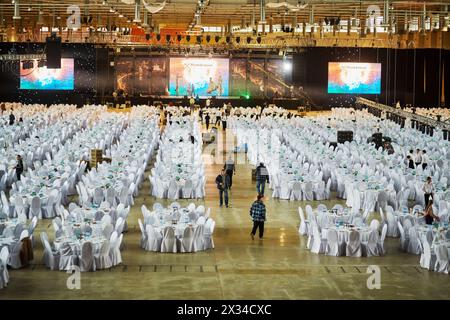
{"x": 258, "y": 214}
{"x": 262, "y": 175}
{"x": 223, "y": 184}
{"x": 230, "y": 169}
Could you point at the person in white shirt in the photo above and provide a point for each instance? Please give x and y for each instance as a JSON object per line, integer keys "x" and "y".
{"x": 208, "y": 102}
{"x": 425, "y": 159}
{"x": 428, "y": 190}
{"x": 418, "y": 158}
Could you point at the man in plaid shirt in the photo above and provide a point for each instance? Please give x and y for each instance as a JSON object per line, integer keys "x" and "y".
{"x": 258, "y": 214}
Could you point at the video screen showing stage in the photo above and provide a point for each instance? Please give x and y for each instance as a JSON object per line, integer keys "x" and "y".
{"x": 354, "y": 78}
{"x": 202, "y": 77}
{"x": 35, "y": 77}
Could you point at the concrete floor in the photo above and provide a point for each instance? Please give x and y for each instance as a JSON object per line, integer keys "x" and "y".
{"x": 278, "y": 267}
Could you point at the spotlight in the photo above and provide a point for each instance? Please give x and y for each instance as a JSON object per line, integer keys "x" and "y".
{"x": 287, "y": 66}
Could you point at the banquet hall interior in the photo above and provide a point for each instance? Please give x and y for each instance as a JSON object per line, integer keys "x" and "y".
{"x": 145, "y": 146}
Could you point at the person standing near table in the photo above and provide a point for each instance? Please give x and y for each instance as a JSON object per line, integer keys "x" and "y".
{"x": 262, "y": 175}
{"x": 418, "y": 158}
{"x": 223, "y": 184}
{"x": 207, "y": 117}
{"x": 224, "y": 121}
{"x": 258, "y": 214}
{"x": 425, "y": 159}
{"x": 19, "y": 167}
{"x": 218, "y": 114}
{"x": 230, "y": 169}
{"x": 428, "y": 213}
{"x": 428, "y": 190}
{"x": 12, "y": 118}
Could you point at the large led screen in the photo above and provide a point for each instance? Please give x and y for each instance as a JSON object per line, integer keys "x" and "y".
{"x": 202, "y": 77}
{"x": 354, "y": 78}
{"x": 41, "y": 78}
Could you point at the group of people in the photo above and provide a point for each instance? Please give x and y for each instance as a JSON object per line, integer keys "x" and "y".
{"x": 417, "y": 159}
{"x": 224, "y": 182}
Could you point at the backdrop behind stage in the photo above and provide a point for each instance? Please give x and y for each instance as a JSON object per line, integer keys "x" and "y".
{"x": 197, "y": 76}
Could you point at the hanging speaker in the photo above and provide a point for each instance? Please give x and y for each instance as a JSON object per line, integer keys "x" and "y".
{"x": 168, "y": 37}
{"x": 158, "y": 37}
{"x": 258, "y": 39}
{"x": 227, "y": 39}
{"x": 238, "y": 39}
{"x": 249, "y": 39}
{"x": 179, "y": 37}
{"x": 208, "y": 38}
{"x": 188, "y": 38}
{"x": 199, "y": 39}
{"x": 217, "y": 38}
{"x": 148, "y": 36}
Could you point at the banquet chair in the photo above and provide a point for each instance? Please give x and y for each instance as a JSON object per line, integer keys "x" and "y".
{"x": 173, "y": 192}
{"x": 187, "y": 189}
{"x": 4, "y": 260}
{"x": 111, "y": 197}
{"x": 153, "y": 240}
{"x": 49, "y": 210}
{"x": 374, "y": 224}
{"x": 333, "y": 247}
{"x": 114, "y": 251}
{"x": 327, "y": 194}
{"x": 186, "y": 242}
{"x": 275, "y": 186}
{"x": 157, "y": 206}
{"x": 14, "y": 258}
{"x": 199, "y": 241}
{"x": 427, "y": 257}
{"x": 72, "y": 206}
{"x": 7, "y": 209}
{"x": 119, "y": 225}
{"x": 370, "y": 247}
{"x": 200, "y": 210}
{"x": 102, "y": 259}
{"x": 353, "y": 248}
{"x": 107, "y": 229}
{"x": 98, "y": 196}
{"x": 19, "y": 206}
{"x": 392, "y": 224}
{"x": 414, "y": 246}
{"x": 143, "y": 234}
{"x": 319, "y": 244}
{"x": 18, "y": 231}
{"x": 192, "y": 216}
{"x": 35, "y": 208}
{"x": 320, "y": 191}
{"x": 442, "y": 262}
{"x": 308, "y": 191}
{"x": 169, "y": 243}
{"x": 208, "y": 232}
{"x": 338, "y": 207}
{"x": 296, "y": 191}
{"x": 191, "y": 207}
{"x": 86, "y": 259}
{"x": 303, "y": 227}
{"x": 403, "y": 239}
{"x": 99, "y": 215}
{"x": 381, "y": 248}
